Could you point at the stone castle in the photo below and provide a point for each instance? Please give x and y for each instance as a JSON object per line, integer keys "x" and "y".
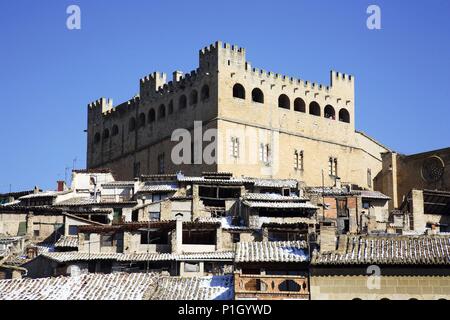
{"x": 305, "y": 131}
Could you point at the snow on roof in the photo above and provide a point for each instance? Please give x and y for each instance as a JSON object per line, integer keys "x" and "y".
{"x": 67, "y": 242}
{"x": 92, "y": 286}
{"x": 271, "y": 197}
{"x": 389, "y": 250}
{"x": 194, "y": 288}
{"x": 279, "y": 205}
{"x": 276, "y": 251}
{"x": 62, "y": 257}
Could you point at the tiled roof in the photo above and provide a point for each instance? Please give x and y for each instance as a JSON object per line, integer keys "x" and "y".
{"x": 76, "y": 201}
{"x": 272, "y": 197}
{"x": 389, "y": 250}
{"x": 45, "y": 194}
{"x": 62, "y": 257}
{"x": 282, "y": 251}
{"x": 274, "y": 183}
{"x": 373, "y": 195}
{"x": 118, "y": 184}
{"x": 67, "y": 242}
{"x": 331, "y": 191}
{"x": 278, "y": 205}
{"x": 158, "y": 188}
{"x": 300, "y": 222}
{"x": 232, "y": 181}
{"x": 8, "y": 239}
{"x": 93, "y": 286}
{"x": 194, "y": 288}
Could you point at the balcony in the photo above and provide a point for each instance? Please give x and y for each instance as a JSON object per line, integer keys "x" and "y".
{"x": 271, "y": 287}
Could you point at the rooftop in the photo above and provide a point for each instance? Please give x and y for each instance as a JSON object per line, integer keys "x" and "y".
{"x": 280, "y": 251}
{"x": 389, "y": 250}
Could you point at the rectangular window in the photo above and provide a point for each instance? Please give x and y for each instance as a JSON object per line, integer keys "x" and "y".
{"x": 161, "y": 163}
{"x": 73, "y": 230}
{"x": 154, "y": 216}
{"x": 298, "y": 160}
{"x": 332, "y": 166}
{"x": 234, "y": 147}
{"x": 87, "y": 237}
{"x": 236, "y": 237}
{"x": 264, "y": 153}
{"x": 107, "y": 240}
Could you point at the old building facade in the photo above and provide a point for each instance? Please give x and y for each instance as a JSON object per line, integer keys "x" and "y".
{"x": 267, "y": 125}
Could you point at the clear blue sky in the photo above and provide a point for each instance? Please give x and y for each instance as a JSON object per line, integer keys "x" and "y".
{"x": 48, "y": 74}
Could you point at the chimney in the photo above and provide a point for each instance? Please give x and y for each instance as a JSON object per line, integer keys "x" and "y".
{"x": 36, "y": 190}
{"x": 177, "y": 76}
{"x": 327, "y": 237}
{"x": 179, "y": 233}
{"x": 61, "y": 185}
{"x": 337, "y": 183}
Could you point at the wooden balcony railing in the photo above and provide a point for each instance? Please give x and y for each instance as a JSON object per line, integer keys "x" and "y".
{"x": 271, "y": 286}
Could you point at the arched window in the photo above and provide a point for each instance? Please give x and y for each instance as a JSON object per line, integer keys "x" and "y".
{"x": 97, "y": 138}
{"x": 289, "y": 285}
{"x": 314, "y": 109}
{"x": 284, "y": 102}
{"x": 105, "y": 134}
{"x": 238, "y": 91}
{"x": 344, "y": 116}
{"x": 171, "y": 107}
{"x": 115, "y": 130}
{"x": 193, "y": 98}
{"x": 132, "y": 124}
{"x": 299, "y": 105}
{"x": 205, "y": 92}
{"x": 257, "y": 95}
{"x": 162, "y": 112}
{"x": 329, "y": 112}
{"x": 182, "y": 102}
{"x": 151, "y": 115}
{"x": 141, "y": 120}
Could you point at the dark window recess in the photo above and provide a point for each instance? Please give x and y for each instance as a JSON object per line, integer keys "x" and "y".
{"x": 342, "y": 210}
{"x": 286, "y": 236}
{"x": 106, "y": 240}
{"x": 154, "y": 237}
{"x": 199, "y": 237}
{"x": 135, "y": 216}
{"x": 99, "y": 218}
{"x": 289, "y": 285}
{"x": 251, "y": 271}
{"x": 219, "y": 192}
{"x": 73, "y": 230}
{"x": 236, "y": 237}
{"x": 265, "y": 212}
{"x": 117, "y": 216}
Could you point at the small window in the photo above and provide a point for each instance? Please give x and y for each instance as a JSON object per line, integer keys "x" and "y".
{"x": 154, "y": 216}
{"x": 182, "y": 102}
{"x": 107, "y": 240}
{"x": 344, "y": 116}
{"x": 314, "y": 109}
{"x": 299, "y": 105}
{"x": 36, "y": 233}
{"x": 257, "y": 95}
{"x": 205, "y": 92}
{"x": 264, "y": 153}
{"x": 332, "y": 166}
{"x": 284, "y": 102}
{"x": 329, "y": 112}
{"x": 236, "y": 237}
{"x": 238, "y": 91}
{"x": 73, "y": 230}
{"x": 87, "y": 237}
{"x": 193, "y": 99}
{"x": 298, "y": 159}
{"x": 234, "y": 147}
{"x": 151, "y": 115}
